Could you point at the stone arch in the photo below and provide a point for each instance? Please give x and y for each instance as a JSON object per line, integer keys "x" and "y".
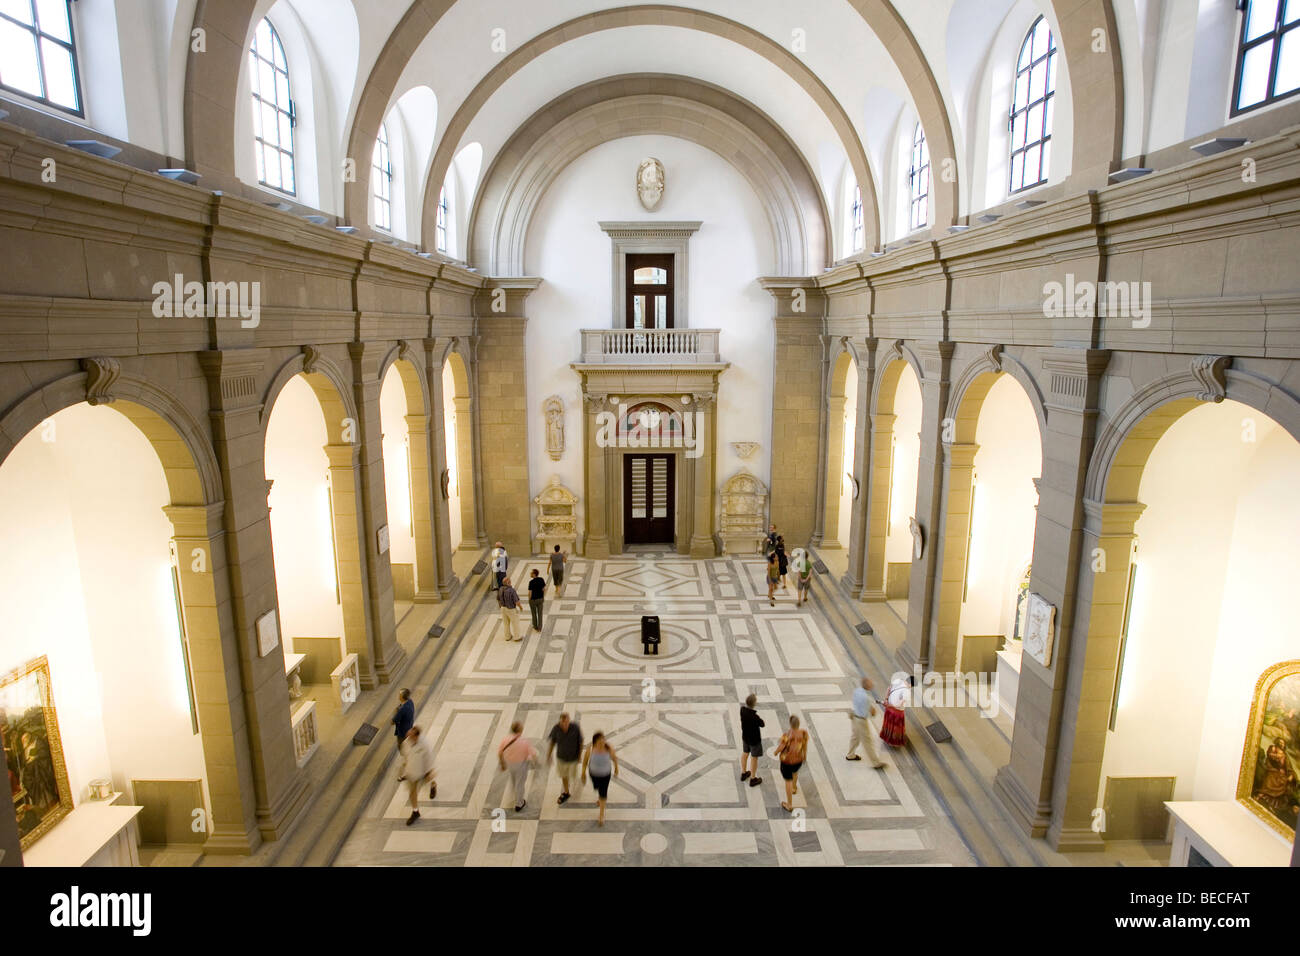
{"x": 964, "y": 407}
{"x": 236, "y": 763}
{"x": 621, "y": 106}
{"x": 333, "y": 391}
{"x": 837, "y": 462}
{"x": 638, "y": 16}
{"x": 1096, "y": 85}
{"x": 1111, "y": 512}
{"x": 890, "y": 367}
{"x": 414, "y": 386}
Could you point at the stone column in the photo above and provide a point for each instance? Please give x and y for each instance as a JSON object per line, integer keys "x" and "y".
{"x": 471, "y": 529}
{"x": 953, "y": 536}
{"x": 1062, "y": 710}
{"x": 428, "y": 557}
{"x": 863, "y": 467}
{"x": 879, "y": 494}
{"x": 702, "y": 542}
{"x": 596, "y": 508}
{"x": 936, "y": 358}
{"x": 243, "y": 698}
{"x": 445, "y": 581}
{"x": 376, "y": 569}
{"x": 828, "y": 506}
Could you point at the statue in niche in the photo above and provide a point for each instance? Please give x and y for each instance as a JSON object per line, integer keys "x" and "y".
{"x": 918, "y": 538}
{"x": 553, "y": 408}
{"x": 650, "y": 182}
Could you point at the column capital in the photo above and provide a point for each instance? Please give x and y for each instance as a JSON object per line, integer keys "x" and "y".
{"x": 196, "y": 521}
{"x": 960, "y": 454}
{"x": 1111, "y": 518}
{"x": 343, "y": 456}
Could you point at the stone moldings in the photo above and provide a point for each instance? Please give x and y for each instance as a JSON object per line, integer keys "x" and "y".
{"x": 744, "y": 449}
{"x": 744, "y": 514}
{"x": 101, "y": 375}
{"x": 553, "y": 409}
{"x": 557, "y": 517}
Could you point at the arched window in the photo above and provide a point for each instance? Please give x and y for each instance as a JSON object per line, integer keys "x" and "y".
{"x": 855, "y": 218}
{"x": 919, "y": 179}
{"x": 382, "y": 178}
{"x": 273, "y": 116}
{"x": 37, "y": 55}
{"x": 1268, "y": 57}
{"x": 443, "y": 211}
{"x": 1032, "y": 107}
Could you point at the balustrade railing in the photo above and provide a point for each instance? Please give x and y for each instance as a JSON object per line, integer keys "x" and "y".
{"x": 305, "y": 737}
{"x": 650, "y": 346}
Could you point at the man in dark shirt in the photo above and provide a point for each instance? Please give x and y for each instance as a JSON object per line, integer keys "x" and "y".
{"x": 403, "y": 719}
{"x": 566, "y": 745}
{"x": 508, "y": 598}
{"x": 751, "y": 741}
{"x": 536, "y": 588}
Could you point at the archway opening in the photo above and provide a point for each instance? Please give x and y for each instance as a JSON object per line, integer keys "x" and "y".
{"x": 1200, "y": 559}
{"x": 111, "y": 650}
{"x": 396, "y": 418}
{"x": 842, "y": 485}
{"x": 904, "y": 463}
{"x": 459, "y": 430}
{"x": 992, "y": 502}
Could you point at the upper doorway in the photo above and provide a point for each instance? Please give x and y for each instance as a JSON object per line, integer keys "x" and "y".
{"x": 649, "y": 283}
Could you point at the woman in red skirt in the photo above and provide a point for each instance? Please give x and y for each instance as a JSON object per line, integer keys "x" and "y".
{"x": 893, "y": 729}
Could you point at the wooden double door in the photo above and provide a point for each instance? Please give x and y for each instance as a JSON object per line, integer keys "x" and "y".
{"x": 649, "y": 502}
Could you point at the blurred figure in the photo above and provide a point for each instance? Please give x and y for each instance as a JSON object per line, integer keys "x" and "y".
{"x": 403, "y": 720}
{"x": 536, "y": 591}
{"x": 418, "y": 756}
{"x": 769, "y": 542}
{"x": 893, "y": 729}
{"x": 517, "y": 755}
{"x": 801, "y": 564}
{"x": 558, "y": 558}
{"x": 783, "y": 563}
{"x": 566, "y": 745}
{"x": 600, "y": 759}
{"x": 860, "y": 734}
{"x": 792, "y": 750}
{"x": 500, "y": 564}
{"x": 773, "y": 578}
{"x": 508, "y": 600}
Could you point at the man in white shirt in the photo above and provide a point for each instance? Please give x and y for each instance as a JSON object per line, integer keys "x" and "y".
{"x": 860, "y": 732}
{"x": 500, "y": 564}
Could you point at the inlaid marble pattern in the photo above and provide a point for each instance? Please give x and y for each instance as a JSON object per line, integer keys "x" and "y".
{"x": 673, "y": 719}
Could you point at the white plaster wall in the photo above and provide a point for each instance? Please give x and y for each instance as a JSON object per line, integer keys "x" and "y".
{"x": 1211, "y": 605}
{"x": 301, "y": 532}
{"x": 113, "y": 639}
{"x": 568, "y": 250}
{"x": 397, "y": 473}
{"x": 1002, "y": 542}
{"x": 453, "y": 464}
{"x": 907, "y": 454}
{"x": 850, "y": 418}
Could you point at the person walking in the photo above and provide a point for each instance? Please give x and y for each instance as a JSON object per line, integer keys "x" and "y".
{"x": 508, "y": 599}
{"x": 558, "y": 559}
{"x": 418, "y": 757}
{"x": 566, "y": 745}
{"x": 801, "y": 564}
{"x": 751, "y": 741}
{"x": 500, "y": 564}
{"x": 773, "y": 578}
{"x": 403, "y": 720}
{"x": 600, "y": 758}
{"x": 792, "y": 750}
{"x": 860, "y": 734}
{"x": 536, "y": 588}
{"x": 783, "y": 563}
{"x": 517, "y": 755}
{"x": 769, "y": 542}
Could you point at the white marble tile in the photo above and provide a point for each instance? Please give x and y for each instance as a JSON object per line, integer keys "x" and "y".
{"x": 486, "y": 690}
{"x": 604, "y": 843}
{"x": 413, "y": 840}
{"x": 552, "y": 663}
{"x": 720, "y": 843}
{"x": 872, "y": 841}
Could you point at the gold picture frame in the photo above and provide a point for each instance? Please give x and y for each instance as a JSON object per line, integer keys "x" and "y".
{"x": 1268, "y": 784}
{"x": 36, "y": 772}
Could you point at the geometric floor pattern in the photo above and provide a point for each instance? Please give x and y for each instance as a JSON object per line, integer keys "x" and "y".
{"x": 673, "y": 720}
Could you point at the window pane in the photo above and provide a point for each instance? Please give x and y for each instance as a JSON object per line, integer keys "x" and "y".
{"x": 1292, "y": 11}
{"x": 263, "y": 39}
{"x": 1018, "y": 131}
{"x": 261, "y": 166}
{"x": 286, "y": 172}
{"x": 59, "y": 84}
{"x": 270, "y": 124}
{"x": 1254, "y": 74}
{"x": 53, "y": 16}
{"x": 1260, "y": 17}
{"x": 286, "y": 135}
{"x": 1026, "y": 53}
{"x": 1031, "y": 165}
{"x": 1022, "y": 90}
{"x": 1288, "y": 64}
{"x": 1034, "y": 124}
{"x": 1017, "y": 170}
{"x": 1042, "y": 38}
{"x": 20, "y": 10}
{"x": 1051, "y": 115}
{"x": 661, "y": 312}
{"x": 266, "y": 80}
{"x": 278, "y": 55}
{"x": 1038, "y": 82}
{"x": 272, "y": 163}
{"x": 18, "y": 59}
{"x": 282, "y": 90}
{"x": 1047, "y": 160}
{"x": 1051, "y": 72}
{"x": 649, "y": 276}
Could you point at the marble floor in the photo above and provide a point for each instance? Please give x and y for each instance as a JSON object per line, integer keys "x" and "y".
{"x": 673, "y": 721}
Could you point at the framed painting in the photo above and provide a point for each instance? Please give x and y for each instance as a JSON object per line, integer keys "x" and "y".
{"x": 33, "y": 750}
{"x": 1269, "y": 782}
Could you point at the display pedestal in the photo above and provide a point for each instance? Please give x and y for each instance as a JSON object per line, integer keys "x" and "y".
{"x": 1226, "y": 834}
{"x": 1009, "y": 676}
{"x": 95, "y": 834}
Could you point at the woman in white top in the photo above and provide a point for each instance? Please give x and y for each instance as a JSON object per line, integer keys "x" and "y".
{"x": 419, "y": 768}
